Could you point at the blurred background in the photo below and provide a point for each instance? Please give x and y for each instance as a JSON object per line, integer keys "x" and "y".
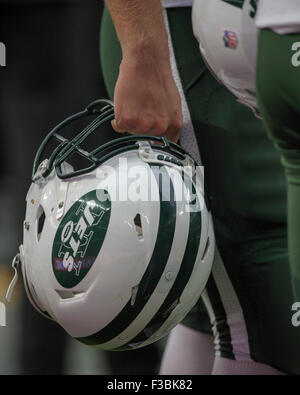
{"x": 52, "y": 71}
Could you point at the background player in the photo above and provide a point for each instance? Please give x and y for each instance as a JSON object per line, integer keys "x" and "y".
{"x": 278, "y": 89}
{"x": 249, "y": 293}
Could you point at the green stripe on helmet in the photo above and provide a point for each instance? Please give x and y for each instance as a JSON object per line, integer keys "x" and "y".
{"x": 184, "y": 274}
{"x": 152, "y": 275}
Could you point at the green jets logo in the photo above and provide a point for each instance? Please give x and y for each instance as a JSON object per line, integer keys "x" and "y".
{"x": 79, "y": 237}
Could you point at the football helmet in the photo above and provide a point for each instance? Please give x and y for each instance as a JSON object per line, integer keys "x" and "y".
{"x": 118, "y": 251}
{"x": 227, "y": 37}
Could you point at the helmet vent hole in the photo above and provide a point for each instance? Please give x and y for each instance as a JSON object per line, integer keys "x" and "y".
{"x": 138, "y": 226}
{"x": 134, "y": 292}
{"x": 206, "y": 249}
{"x": 171, "y": 308}
{"x": 40, "y": 222}
{"x": 68, "y": 294}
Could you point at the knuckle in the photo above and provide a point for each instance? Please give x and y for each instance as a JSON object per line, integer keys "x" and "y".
{"x": 145, "y": 125}
{"x": 125, "y": 122}
{"x": 161, "y": 126}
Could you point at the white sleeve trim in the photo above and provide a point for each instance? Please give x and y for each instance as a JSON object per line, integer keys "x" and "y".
{"x": 281, "y": 16}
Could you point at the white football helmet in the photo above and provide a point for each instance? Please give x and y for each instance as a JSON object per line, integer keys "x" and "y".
{"x": 117, "y": 271}
{"x": 227, "y": 36}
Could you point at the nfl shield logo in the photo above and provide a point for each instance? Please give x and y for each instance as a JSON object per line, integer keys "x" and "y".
{"x": 230, "y": 39}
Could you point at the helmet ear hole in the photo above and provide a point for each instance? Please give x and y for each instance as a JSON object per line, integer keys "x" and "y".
{"x": 41, "y": 217}
{"x": 66, "y": 295}
{"x": 207, "y": 245}
{"x": 138, "y": 226}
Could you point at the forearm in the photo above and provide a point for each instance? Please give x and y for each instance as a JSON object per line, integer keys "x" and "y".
{"x": 146, "y": 98}
{"x": 140, "y": 27}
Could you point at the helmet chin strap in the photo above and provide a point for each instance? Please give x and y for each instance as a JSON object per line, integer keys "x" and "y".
{"x": 15, "y": 265}
{"x": 18, "y": 262}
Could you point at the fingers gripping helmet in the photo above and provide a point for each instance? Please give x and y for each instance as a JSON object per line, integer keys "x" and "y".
{"x": 115, "y": 270}
{"x": 227, "y": 36}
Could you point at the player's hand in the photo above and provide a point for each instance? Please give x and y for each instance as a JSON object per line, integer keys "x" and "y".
{"x": 146, "y": 98}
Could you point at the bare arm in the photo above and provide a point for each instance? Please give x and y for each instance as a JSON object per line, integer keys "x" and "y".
{"x": 146, "y": 97}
